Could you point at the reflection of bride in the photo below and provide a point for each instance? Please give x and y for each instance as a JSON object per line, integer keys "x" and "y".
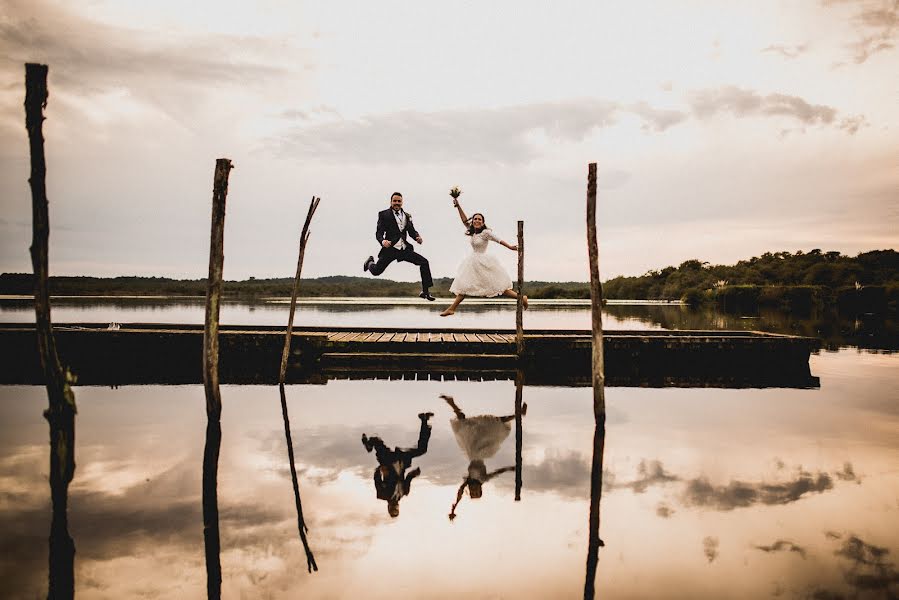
{"x": 480, "y": 438}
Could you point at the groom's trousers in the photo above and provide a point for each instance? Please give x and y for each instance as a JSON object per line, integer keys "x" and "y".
{"x": 388, "y": 255}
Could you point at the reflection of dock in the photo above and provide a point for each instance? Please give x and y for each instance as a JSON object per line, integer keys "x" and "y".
{"x": 154, "y": 353}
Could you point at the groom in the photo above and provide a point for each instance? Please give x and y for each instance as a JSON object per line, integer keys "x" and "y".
{"x": 394, "y": 225}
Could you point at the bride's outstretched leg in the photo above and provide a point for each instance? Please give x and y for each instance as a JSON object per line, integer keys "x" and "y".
{"x": 451, "y": 309}
{"x": 512, "y": 294}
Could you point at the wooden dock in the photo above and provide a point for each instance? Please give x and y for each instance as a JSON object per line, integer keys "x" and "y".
{"x": 140, "y": 353}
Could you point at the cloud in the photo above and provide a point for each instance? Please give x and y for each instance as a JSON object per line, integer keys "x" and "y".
{"x": 88, "y": 58}
{"x": 513, "y": 134}
{"x": 649, "y": 474}
{"x": 739, "y": 494}
{"x": 664, "y": 511}
{"x": 560, "y": 472}
{"x": 877, "y": 24}
{"x": 710, "y": 548}
{"x": 787, "y": 51}
{"x": 848, "y": 473}
{"x": 745, "y": 103}
{"x": 494, "y": 135}
{"x": 783, "y": 545}
{"x": 869, "y": 568}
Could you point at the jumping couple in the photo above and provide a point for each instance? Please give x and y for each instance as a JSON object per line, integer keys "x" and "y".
{"x": 480, "y": 274}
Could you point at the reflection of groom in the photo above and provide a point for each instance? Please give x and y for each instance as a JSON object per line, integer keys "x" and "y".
{"x": 394, "y": 225}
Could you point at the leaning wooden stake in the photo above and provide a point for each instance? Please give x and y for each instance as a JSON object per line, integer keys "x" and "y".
{"x": 304, "y": 237}
{"x": 599, "y": 399}
{"x": 60, "y": 413}
{"x": 223, "y": 168}
{"x": 519, "y": 308}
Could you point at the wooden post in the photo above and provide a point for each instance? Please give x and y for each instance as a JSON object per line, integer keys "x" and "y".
{"x": 599, "y": 397}
{"x": 223, "y": 168}
{"x": 519, "y": 308}
{"x": 61, "y": 410}
{"x": 301, "y": 521}
{"x": 519, "y": 433}
{"x": 304, "y": 237}
{"x": 599, "y": 400}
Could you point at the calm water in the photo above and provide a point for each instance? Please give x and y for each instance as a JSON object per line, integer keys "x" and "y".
{"x": 708, "y": 493}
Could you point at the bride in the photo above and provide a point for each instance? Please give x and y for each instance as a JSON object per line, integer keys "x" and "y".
{"x": 480, "y": 274}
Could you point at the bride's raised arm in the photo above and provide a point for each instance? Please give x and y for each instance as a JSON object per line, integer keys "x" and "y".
{"x": 461, "y": 212}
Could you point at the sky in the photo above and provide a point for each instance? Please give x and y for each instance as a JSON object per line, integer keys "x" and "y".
{"x": 722, "y": 130}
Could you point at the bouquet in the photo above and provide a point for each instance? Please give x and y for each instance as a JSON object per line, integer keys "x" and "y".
{"x": 455, "y": 193}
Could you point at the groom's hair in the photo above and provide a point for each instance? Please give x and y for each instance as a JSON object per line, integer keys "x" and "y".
{"x": 395, "y": 194}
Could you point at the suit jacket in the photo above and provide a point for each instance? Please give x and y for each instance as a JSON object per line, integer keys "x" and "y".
{"x": 388, "y": 229}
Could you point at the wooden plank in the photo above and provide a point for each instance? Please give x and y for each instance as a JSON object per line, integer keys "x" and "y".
{"x": 387, "y": 337}
{"x": 399, "y": 337}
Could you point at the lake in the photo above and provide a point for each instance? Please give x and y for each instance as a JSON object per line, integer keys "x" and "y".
{"x": 706, "y": 493}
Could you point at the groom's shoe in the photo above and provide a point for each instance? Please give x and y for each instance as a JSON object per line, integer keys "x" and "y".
{"x": 368, "y": 262}
{"x": 427, "y": 296}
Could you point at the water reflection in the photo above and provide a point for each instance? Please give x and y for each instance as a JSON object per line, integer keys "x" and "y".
{"x": 301, "y": 521}
{"x": 479, "y": 437}
{"x": 761, "y": 474}
{"x": 62, "y": 546}
{"x": 392, "y": 482}
{"x": 212, "y": 543}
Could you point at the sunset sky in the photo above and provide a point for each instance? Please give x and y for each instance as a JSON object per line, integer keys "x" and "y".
{"x": 722, "y": 130}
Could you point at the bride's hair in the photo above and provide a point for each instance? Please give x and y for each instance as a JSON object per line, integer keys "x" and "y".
{"x": 471, "y": 228}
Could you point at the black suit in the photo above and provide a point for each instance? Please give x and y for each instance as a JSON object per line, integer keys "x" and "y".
{"x": 389, "y": 230}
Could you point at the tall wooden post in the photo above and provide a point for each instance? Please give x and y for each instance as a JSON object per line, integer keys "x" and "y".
{"x": 304, "y": 237}
{"x": 599, "y": 397}
{"x": 519, "y": 308}
{"x": 223, "y": 168}
{"x": 599, "y": 401}
{"x": 61, "y": 410}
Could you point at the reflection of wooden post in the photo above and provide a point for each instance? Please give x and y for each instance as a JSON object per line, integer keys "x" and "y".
{"x": 211, "y": 380}
{"x": 519, "y": 309}
{"x": 61, "y": 410}
{"x": 304, "y": 237}
{"x": 599, "y": 400}
{"x": 301, "y": 521}
{"x": 519, "y": 382}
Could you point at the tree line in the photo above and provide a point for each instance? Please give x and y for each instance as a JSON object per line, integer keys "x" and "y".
{"x": 796, "y": 280}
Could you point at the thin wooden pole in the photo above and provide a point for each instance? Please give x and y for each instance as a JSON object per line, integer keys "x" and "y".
{"x": 223, "y": 168}
{"x": 519, "y": 433}
{"x": 301, "y": 521}
{"x": 599, "y": 399}
{"x": 519, "y": 308}
{"x": 61, "y": 410}
{"x": 599, "y": 379}
{"x": 304, "y": 237}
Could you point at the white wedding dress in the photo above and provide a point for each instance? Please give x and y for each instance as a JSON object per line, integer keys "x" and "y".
{"x": 480, "y": 274}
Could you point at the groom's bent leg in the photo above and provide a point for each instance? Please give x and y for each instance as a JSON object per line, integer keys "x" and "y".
{"x": 384, "y": 258}
{"x": 417, "y": 259}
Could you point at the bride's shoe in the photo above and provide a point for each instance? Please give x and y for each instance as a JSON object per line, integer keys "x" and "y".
{"x": 447, "y": 313}
{"x": 524, "y": 301}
